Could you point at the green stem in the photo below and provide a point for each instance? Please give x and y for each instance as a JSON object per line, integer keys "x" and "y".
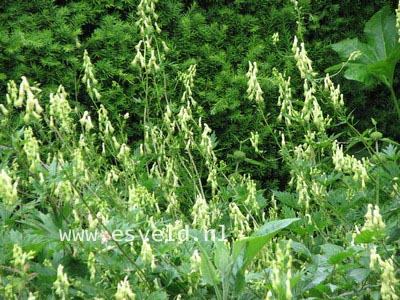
{"x": 394, "y": 98}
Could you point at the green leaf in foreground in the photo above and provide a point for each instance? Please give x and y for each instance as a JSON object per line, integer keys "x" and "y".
{"x": 246, "y": 249}
{"x": 377, "y": 57}
{"x": 368, "y": 236}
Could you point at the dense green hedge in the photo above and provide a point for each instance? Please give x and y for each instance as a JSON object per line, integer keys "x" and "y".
{"x": 44, "y": 40}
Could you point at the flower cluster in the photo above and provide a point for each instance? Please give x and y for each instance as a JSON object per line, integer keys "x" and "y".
{"x": 285, "y": 99}
{"x": 240, "y": 223}
{"x": 336, "y": 96}
{"x": 61, "y": 284}
{"x": 86, "y": 121}
{"x": 398, "y": 19}
{"x": 254, "y": 91}
{"x": 105, "y": 125}
{"x": 373, "y": 220}
{"x": 28, "y": 93}
{"x": 349, "y": 164}
{"x": 31, "y": 149}
{"x": 124, "y": 291}
{"x": 195, "y": 271}
{"x": 281, "y": 274}
{"x": 20, "y": 258}
{"x": 312, "y": 108}
{"x": 275, "y": 38}
{"x": 146, "y": 254}
{"x": 200, "y": 213}
{"x": 60, "y": 110}
{"x": 254, "y": 140}
{"x": 141, "y": 198}
{"x": 251, "y": 199}
{"x": 187, "y": 79}
{"x": 88, "y": 77}
{"x": 78, "y": 166}
{"x": 8, "y": 190}
{"x": 91, "y": 263}
{"x": 304, "y": 64}
{"x": 206, "y": 146}
{"x": 388, "y": 278}
{"x": 147, "y": 23}
{"x": 12, "y": 94}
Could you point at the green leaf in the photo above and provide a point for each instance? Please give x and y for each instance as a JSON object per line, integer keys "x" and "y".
{"x": 379, "y": 55}
{"x": 246, "y": 249}
{"x": 359, "y": 274}
{"x": 331, "y": 249}
{"x": 365, "y": 237}
{"x": 271, "y": 228}
{"x": 286, "y": 198}
{"x": 254, "y": 162}
{"x": 222, "y": 258}
{"x": 381, "y": 32}
{"x": 208, "y": 271}
{"x": 340, "y": 257}
{"x": 326, "y": 288}
{"x": 159, "y": 295}
{"x": 320, "y": 270}
{"x": 44, "y": 224}
{"x": 360, "y": 73}
{"x": 223, "y": 262}
{"x": 300, "y": 248}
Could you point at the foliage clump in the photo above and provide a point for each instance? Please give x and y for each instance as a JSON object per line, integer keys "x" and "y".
{"x": 159, "y": 169}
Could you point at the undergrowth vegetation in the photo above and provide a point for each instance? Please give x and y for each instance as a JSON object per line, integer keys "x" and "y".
{"x": 157, "y": 156}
